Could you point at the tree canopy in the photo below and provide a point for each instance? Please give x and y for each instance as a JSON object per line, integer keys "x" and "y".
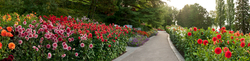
{"x": 220, "y": 11}
{"x": 153, "y": 13}
{"x": 194, "y": 15}
{"x": 241, "y": 21}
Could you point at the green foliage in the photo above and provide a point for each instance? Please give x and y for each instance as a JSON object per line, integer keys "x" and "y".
{"x": 147, "y": 27}
{"x": 43, "y": 7}
{"x": 85, "y": 2}
{"x": 230, "y": 13}
{"x": 220, "y": 11}
{"x": 241, "y": 20}
{"x": 123, "y": 17}
{"x": 194, "y": 15}
{"x": 213, "y": 15}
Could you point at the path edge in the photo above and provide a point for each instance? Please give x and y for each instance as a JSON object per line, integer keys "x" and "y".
{"x": 176, "y": 52}
{"x": 132, "y": 49}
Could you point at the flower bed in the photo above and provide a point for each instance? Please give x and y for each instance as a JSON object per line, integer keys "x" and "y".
{"x": 63, "y": 38}
{"x": 209, "y": 45}
{"x": 141, "y": 37}
{"x": 152, "y": 32}
{"x": 137, "y": 40}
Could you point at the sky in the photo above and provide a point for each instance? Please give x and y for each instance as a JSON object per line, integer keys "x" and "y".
{"x": 179, "y": 4}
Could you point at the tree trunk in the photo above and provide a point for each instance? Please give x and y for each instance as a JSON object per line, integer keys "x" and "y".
{"x": 94, "y": 9}
{"x": 243, "y": 25}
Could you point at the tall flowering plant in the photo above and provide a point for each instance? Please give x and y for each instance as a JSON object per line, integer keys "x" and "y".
{"x": 6, "y": 42}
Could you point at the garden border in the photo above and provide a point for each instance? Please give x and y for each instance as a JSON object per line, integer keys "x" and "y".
{"x": 129, "y": 50}
{"x": 176, "y": 52}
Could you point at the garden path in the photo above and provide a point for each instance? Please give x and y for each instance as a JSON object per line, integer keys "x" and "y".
{"x": 156, "y": 49}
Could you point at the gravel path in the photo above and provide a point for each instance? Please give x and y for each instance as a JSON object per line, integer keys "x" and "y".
{"x": 156, "y": 49}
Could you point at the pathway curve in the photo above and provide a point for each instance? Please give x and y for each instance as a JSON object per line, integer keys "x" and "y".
{"x": 156, "y": 49}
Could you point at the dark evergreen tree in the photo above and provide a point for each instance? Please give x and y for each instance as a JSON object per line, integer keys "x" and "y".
{"x": 242, "y": 15}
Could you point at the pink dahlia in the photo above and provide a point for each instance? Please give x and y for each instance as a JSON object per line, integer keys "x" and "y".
{"x": 63, "y": 55}
{"x": 48, "y": 46}
{"x": 54, "y": 45}
{"x": 49, "y": 55}
{"x": 82, "y": 45}
{"x": 65, "y": 46}
{"x": 20, "y": 42}
{"x": 69, "y": 48}
{"x": 54, "y": 48}
{"x": 76, "y": 54}
{"x": 91, "y": 46}
{"x": 24, "y": 22}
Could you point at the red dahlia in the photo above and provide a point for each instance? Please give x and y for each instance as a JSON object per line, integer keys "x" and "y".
{"x": 242, "y": 44}
{"x": 228, "y": 54}
{"x": 225, "y": 49}
{"x": 232, "y": 37}
{"x": 213, "y": 29}
{"x": 109, "y": 45}
{"x": 195, "y": 29}
{"x": 214, "y": 42}
{"x": 217, "y": 50}
{"x": 223, "y": 28}
{"x": 219, "y": 36}
{"x": 214, "y": 38}
{"x": 248, "y": 44}
{"x": 189, "y": 33}
{"x": 242, "y": 39}
{"x": 205, "y": 42}
{"x": 199, "y": 41}
{"x": 231, "y": 32}
{"x": 224, "y": 31}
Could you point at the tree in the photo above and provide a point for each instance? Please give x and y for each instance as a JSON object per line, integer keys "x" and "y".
{"x": 230, "y": 12}
{"x": 242, "y": 15}
{"x": 150, "y": 12}
{"x": 170, "y": 15}
{"x": 194, "y": 15}
{"x": 213, "y": 15}
{"x": 220, "y": 11}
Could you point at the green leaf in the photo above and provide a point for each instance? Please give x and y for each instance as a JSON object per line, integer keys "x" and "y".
{"x": 194, "y": 53}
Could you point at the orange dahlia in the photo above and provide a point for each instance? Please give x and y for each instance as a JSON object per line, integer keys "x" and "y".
{"x": 3, "y": 32}
{"x": 11, "y": 45}
{"x": 9, "y": 34}
{"x": 9, "y": 29}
